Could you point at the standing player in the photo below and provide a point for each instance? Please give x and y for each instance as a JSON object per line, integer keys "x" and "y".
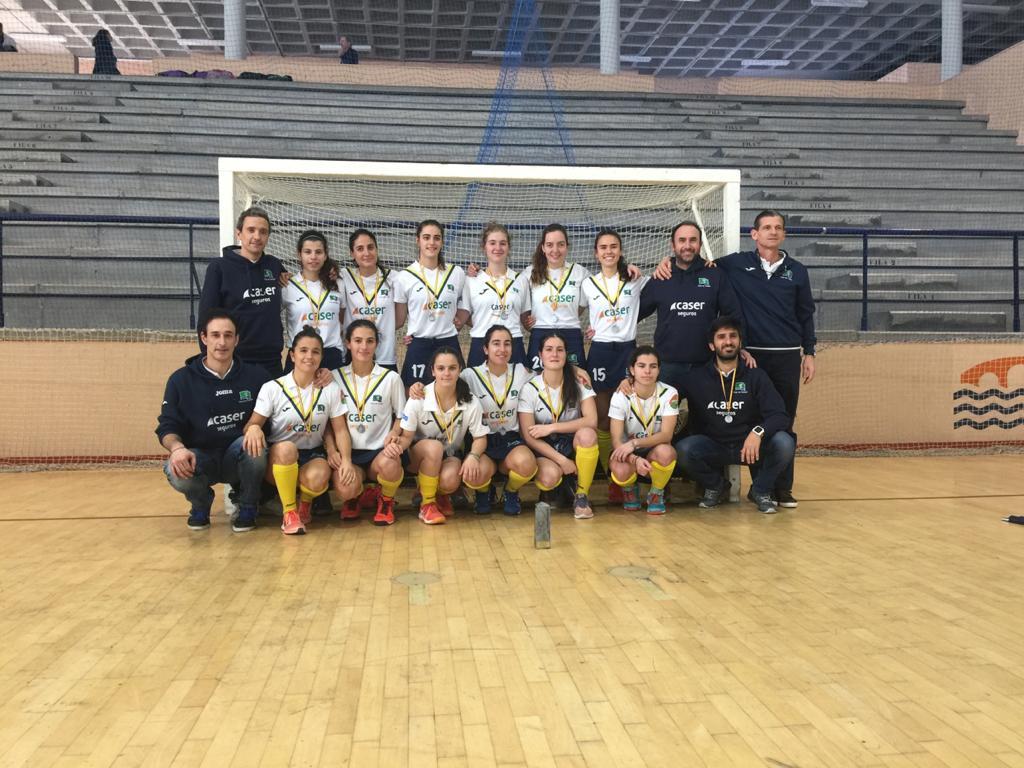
{"x": 642, "y": 427}
{"x": 312, "y": 297}
{"x": 497, "y": 384}
{"x": 302, "y": 449}
{"x": 245, "y": 281}
{"x": 428, "y": 294}
{"x": 494, "y": 297}
{"x": 370, "y": 293}
{"x": 434, "y": 430}
{"x": 205, "y": 405}
{"x": 375, "y": 399}
{"x": 558, "y": 418}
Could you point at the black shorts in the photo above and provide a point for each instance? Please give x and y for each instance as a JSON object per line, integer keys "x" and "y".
{"x": 416, "y": 366}
{"x": 608, "y": 364}
{"x": 499, "y": 446}
{"x": 306, "y": 455}
{"x": 562, "y": 444}
{"x": 476, "y": 352}
{"x": 363, "y": 458}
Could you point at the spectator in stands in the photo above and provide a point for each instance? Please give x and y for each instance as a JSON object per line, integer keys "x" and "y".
{"x": 7, "y": 44}
{"x": 205, "y": 405}
{"x": 349, "y": 55}
{"x": 106, "y": 61}
{"x": 736, "y": 416}
{"x": 246, "y": 281}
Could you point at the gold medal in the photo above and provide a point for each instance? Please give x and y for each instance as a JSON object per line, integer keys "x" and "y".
{"x": 304, "y": 414}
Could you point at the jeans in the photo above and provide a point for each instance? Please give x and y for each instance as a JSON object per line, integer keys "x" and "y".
{"x": 783, "y": 368}
{"x": 704, "y": 459}
{"x": 233, "y": 466}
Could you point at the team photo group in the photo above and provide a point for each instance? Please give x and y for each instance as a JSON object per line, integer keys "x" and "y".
{"x": 553, "y": 384}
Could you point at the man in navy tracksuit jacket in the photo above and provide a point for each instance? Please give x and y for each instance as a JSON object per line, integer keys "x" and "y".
{"x": 206, "y": 404}
{"x": 245, "y": 281}
{"x": 778, "y": 318}
{"x": 687, "y": 303}
{"x": 735, "y": 416}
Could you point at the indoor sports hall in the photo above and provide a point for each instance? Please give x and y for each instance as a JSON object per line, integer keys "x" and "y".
{"x": 874, "y": 624}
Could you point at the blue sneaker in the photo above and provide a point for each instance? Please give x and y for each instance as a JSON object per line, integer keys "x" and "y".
{"x": 513, "y": 506}
{"x": 631, "y": 498}
{"x": 656, "y": 502}
{"x": 199, "y": 520}
{"x": 484, "y": 501}
{"x": 245, "y": 520}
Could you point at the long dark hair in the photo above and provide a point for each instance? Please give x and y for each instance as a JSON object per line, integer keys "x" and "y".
{"x": 307, "y": 332}
{"x": 490, "y": 334}
{"x": 540, "y": 261}
{"x": 462, "y": 393}
{"x": 328, "y": 267}
{"x": 570, "y": 386}
{"x": 419, "y": 230}
{"x": 622, "y": 266}
{"x": 361, "y": 322}
{"x": 639, "y": 352}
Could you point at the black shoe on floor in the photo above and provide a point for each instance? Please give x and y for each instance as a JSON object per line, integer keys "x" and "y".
{"x": 784, "y": 499}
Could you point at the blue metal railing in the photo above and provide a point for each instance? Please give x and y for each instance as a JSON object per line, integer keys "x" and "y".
{"x": 189, "y": 225}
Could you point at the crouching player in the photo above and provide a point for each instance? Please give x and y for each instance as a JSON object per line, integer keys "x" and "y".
{"x": 558, "y": 419}
{"x": 302, "y": 449}
{"x": 205, "y": 405}
{"x": 375, "y": 398}
{"x": 642, "y": 424}
{"x": 434, "y": 430}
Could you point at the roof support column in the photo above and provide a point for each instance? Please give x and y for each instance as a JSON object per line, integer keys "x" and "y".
{"x": 610, "y": 37}
{"x": 952, "y": 38}
{"x": 235, "y": 44}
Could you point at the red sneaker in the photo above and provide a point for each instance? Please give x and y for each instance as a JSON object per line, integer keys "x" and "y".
{"x": 292, "y": 525}
{"x": 444, "y": 504}
{"x": 368, "y": 498}
{"x": 385, "y": 511}
{"x": 350, "y": 510}
{"x": 431, "y": 515}
{"x": 615, "y": 495}
{"x": 305, "y": 512}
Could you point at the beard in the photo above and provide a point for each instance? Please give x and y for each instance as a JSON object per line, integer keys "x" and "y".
{"x": 728, "y": 356}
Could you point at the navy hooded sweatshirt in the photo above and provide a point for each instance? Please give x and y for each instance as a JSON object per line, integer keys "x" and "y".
{"x": 207, "y": 412}
{"x": 778, "y": 313}
{"x": 250, "y": 291}
{"x": 726, "y": 412}
{"x": 687, "y": 304}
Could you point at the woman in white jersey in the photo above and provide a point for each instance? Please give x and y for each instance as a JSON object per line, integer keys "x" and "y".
{"x": 308, "y": 432}
{"x": 312, "y": 297}
{"x": 642, "y": 425}
{"x": 613, "y": 300}
{"x": 375, "y": 399}
{"x": 428, "y": 294}
{"x": 497, "y": 384}
{"x": 370, "y": 294}
{"x": 557, "y": 418}
{"x": 494, "y": 297}
{"x": 434, "y": 430}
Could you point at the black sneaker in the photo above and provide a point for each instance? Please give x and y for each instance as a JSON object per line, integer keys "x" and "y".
{"x": 785, "y": 499}
{"x": 712, "y": 497}
{"x": 199, "y": 520}
{"x": 460, "y": 500}
{"x": 764, "y": 502}
{"x": 245, "y": 520}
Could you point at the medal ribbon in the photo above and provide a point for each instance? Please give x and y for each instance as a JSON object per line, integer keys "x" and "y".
{"x": 566, "y": 272}
{"x": 434, "y": 289}
{"x": 358, "y": 280}
{"x": 549, "y": 402}
{"x": 636, "y": 406}
{"x": 353, "y": 389}
{"x": 732, "y": 388}
{"x": 604, "y": 291}
{"x": 490, "y": 387}
{"x": 449, "y": 428}
{"x": 314, "y": 398}
{"x": 317, "y": 303}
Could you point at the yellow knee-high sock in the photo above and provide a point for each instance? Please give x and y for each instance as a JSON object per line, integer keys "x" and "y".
{"x": 428, "y": 488}
{"x": 631, "y": 480}
{"x": 286, "y": 478}
{"x": 482, "y": 488}
{"x": 517, "y": 481}
{"x": 307, "y": 495}
{"x": 389, "y": 488}
{"x": 604, "y": 450}
{"x": 543, "y": 487}
{"x": 586, "y": 465}
{"x": 660, "y": 475}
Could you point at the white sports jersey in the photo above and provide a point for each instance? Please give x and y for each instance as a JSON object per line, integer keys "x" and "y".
{"x": 498, "y": 395}
{"x": 428, "y": 421}
{"x": 368, "y": 298}
{"x": 433, "y": 297}
{"x": 494, "y": 301}
{"x": 307, "y": 302}
{"x": 614, "y": 306}
{"x": 642, "y": 418}
{"x": 373, "y": 402}
{"x": 556, "y": 302}
{"x": 545, "y": 403}
{"x": 298, "y": 415}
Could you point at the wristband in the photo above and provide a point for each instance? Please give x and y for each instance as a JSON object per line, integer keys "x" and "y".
{"x": 179, "y": 448}
{"x": 474, "y": 455}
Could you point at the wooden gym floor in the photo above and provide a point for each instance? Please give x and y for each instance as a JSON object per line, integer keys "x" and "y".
{"x": 877, "y": 625}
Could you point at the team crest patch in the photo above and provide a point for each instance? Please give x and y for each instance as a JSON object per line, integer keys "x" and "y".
{"x": 741, "y": 386}
{"x": 377, "y": 399}
{"x": 244, "y": 396}
{"x": 787, "y": 274}
{"x": 674, "y": 402}
{"x": 703, "y": 282}
{"x": 1005, "y": 406}
{"x": 268, "y": 275}
{"x": 320, "y": 408}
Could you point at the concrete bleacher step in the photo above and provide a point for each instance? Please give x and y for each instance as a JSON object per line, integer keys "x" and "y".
{"x": 40, "y": 116}
{"x": 13, "y": 159}
{"x": 892, "y": 280}
{"x": 85, "y": 99}
{"x": 946, "y": 321}
{"x": 11, "y": 206}
{"x": 78, "y": 86}
{"x": 41, "y": 135}
{"x": 833, "y": 219}
{"x": 21, "y": 180}
{"x": 877, "y": 249}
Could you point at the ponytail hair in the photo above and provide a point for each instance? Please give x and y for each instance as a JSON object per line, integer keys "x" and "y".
{"x": 462, "y": 393}
{"x": 570, "y": 386}
{"x": 540, "y": 261}
{"x": 307, "y": 332}
{"x": 432, "y": 223}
